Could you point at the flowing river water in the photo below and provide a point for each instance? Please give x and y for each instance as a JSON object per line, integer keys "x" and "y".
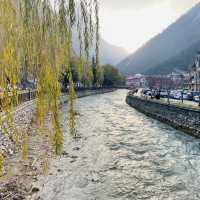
{"x": 122, "y": 155}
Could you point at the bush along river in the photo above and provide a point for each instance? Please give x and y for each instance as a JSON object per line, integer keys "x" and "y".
{"x": 122, "y": 154}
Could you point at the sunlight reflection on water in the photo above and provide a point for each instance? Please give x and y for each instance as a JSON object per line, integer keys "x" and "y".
{"x": 152, "y": 160}
{"x": 124, "y": 155}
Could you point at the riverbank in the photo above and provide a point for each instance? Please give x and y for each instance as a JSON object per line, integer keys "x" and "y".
{"x": 85, "y": 93}
{"x": 19, "y": 175}
{"x": 179, "y": 116}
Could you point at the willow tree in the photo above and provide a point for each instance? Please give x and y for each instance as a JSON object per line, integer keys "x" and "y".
{"x": 9, "y": 69}
{"x": 36, "y": 42}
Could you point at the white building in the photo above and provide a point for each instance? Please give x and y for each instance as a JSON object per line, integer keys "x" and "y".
{"x": 195, "y": 74}
{"x": 136, "y": 81}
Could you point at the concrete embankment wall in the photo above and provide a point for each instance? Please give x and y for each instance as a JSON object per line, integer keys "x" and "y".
{"x": 185, "y": 119}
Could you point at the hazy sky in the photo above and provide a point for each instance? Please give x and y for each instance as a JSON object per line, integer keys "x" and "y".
{"x": 130, "y": 23}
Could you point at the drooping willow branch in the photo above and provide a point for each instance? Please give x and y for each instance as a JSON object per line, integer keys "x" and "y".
{"x": 36, "y": 43}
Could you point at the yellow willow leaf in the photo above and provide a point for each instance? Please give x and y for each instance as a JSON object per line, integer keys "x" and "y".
{"x": 45, "y": 165}
{"x": 58, "y": 135}
{"x": 36, "y": 44}
{"x": 72, "y": 118}
{"x": 16, "y": 137}
{"x": 1, "y": 164}
{"x": 25, "y": 151}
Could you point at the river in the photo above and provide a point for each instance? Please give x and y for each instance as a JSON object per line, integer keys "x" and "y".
{"x": 122, "y": 154}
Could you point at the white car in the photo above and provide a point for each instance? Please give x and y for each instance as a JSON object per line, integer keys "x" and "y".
{"x": 163, "y": 94}
{"x": 196, "y": 98}
{"x": 177, "y": 95}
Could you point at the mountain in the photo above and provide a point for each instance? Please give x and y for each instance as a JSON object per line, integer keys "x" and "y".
{"x": 181, "y": 61}
{"x": 110, "y": 54}
{"x": 172, "y": 49}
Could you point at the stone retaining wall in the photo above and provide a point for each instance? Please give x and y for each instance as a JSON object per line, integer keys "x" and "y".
{"x": 185, "y": 119}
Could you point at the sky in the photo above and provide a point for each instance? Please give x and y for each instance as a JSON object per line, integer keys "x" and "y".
{"x": 131, "y": 23}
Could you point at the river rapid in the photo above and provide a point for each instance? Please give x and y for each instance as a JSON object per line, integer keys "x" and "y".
{"x": 122, "y": 154}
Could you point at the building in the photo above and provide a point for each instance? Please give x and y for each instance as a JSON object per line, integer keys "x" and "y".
{"x": 136, "y": 81}
{"x": 175, "y": 80}
{"x": 179, "y": 79}
{"x": 194, "y": 81}
{"x": 159, "y": 82}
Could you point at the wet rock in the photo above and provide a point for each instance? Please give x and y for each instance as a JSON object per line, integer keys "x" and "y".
{"x": 115, "y": 147}
{"x": 95, "y": 180}
{"x": 18, "y": 197}
{"x": 76, "y": 148}
{"x": 35, "y": 178}
{"x": 72, "y": 161}
{"x": 77, "y": 114}
{"x": 113, "y": 168}
{"x": 65, "y": 154}
{"x": 35, "y": 190}
{"x": 74, "y": 157}
{"x": 178, "y": 187}
{"x": 59, "y": 170}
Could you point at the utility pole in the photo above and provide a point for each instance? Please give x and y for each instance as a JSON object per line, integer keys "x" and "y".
{"x": 198, "y": 71}
{"x": 182, "y": 96}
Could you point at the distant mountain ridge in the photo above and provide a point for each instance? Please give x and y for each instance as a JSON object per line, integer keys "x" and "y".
{"x": 181, "y": 61}
{"x": 109, "y": 54}
{"x": 172, "y": 49}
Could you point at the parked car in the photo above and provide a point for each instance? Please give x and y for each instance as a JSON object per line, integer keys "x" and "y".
{"x": 163, "y": 94}
{"x": 147, "y": 92}
{"x": 177, "y": 95}
{"x": 172, "y": 94}
{"x": 196, "y": 98}
{"x": 187, "y": 96}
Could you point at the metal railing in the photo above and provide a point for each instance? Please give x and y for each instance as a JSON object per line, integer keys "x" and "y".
{"x": 22, "y": 96}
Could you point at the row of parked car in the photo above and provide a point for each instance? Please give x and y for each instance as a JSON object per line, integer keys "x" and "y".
{"x": 174, "y": 94}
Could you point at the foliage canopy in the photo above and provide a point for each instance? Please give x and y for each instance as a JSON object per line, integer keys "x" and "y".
{"x": 36, "y": 43}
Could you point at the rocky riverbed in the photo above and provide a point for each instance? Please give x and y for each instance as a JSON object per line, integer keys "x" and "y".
{"x": 22, "y": 120}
